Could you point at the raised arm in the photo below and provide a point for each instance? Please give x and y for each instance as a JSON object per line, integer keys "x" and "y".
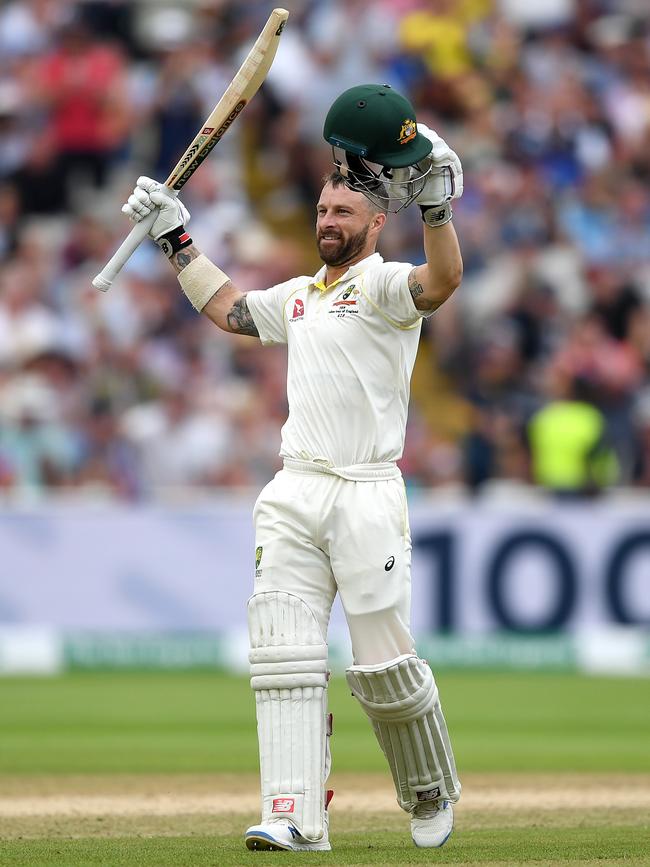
{"x": 226, "y": 306}
{"x": 432, "y": 283}
{"x": 208, "y": 289}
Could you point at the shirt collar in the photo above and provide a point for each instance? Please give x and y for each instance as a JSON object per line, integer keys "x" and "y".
{"x": 353, "y": 270}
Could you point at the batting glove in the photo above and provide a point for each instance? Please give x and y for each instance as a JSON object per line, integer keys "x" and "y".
{"x": 168, "y": 230}
{"x": 444, "y": 183}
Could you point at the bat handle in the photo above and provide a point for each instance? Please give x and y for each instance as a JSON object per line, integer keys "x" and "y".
{"x": 104, "y": 280}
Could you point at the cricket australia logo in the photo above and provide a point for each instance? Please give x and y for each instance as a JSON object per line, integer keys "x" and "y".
{"x": 407, "y": 132}
{"x": 347, "y": 303}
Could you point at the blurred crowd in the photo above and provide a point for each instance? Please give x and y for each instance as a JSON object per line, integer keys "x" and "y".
{"x": 536, "y": 371}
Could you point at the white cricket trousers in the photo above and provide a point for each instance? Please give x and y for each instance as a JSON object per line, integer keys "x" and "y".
{"x": 317, "y": 533}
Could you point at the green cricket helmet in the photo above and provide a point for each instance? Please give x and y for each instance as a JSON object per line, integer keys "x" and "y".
{"x": 376, "y": 145}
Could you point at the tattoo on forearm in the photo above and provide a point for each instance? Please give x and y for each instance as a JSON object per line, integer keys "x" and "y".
{"x": 240, "y": 320}
{"x": 415, "y": 288}
{"x": 183, "y": 258}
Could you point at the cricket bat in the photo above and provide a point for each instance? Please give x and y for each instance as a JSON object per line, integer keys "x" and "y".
{"x": 239, "y": 92}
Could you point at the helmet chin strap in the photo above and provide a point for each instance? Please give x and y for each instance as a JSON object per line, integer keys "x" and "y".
{"x": 387, "y": 188}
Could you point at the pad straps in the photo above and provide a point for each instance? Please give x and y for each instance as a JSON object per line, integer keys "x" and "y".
{"x": 401, "y": 699}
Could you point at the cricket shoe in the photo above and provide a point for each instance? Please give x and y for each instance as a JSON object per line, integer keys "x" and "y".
{"x": 432, "y": 823}
{"x": 281, "y": 835}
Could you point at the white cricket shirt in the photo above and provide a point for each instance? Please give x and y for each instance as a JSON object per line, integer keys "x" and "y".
{"x": 351, "y": 351}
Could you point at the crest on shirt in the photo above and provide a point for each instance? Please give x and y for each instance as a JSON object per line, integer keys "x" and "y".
{"x": 347, "y": 303}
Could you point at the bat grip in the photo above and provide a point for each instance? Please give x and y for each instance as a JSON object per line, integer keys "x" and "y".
{"x": 104, "y": 280}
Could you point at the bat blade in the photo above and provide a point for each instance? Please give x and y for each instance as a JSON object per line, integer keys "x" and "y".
{"x": 239, "y": 92}
{"x": 202, "y": 145}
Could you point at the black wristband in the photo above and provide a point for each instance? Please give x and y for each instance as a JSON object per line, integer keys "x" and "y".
{"x": 174, "y": 241}
{"x": 436, "y": 215}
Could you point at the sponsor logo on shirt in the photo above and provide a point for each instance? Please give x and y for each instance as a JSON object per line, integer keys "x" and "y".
{"x": 298, "y": 310}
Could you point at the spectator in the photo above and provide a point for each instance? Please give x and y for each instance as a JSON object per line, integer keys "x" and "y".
{"x": 570, "y": 454}
{"x": 82, "y": 85}
{"x": 611, "y": 370}
{"x": 177, "y": 444}
{"x": 37, "y": 450}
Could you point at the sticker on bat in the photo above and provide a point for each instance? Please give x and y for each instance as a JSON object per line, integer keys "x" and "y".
{"x": 233, "y": 114}
{"x": 200, "y": 151}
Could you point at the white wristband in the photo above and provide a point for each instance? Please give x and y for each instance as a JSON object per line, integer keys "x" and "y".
{"x": 200, "y": 280}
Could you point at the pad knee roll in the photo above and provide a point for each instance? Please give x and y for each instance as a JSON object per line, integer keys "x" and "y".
{"x": 288, "y": 657}
{"x": 401, "y": 699}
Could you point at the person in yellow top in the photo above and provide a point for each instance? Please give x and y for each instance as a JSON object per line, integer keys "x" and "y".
{"x": 437, "y": 32}
{"x": 568, "y": 442}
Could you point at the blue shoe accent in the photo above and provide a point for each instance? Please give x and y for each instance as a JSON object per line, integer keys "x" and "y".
{"x": 261, "y": 841}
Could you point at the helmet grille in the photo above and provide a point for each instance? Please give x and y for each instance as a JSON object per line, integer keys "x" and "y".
{"x": 388, "y": 189}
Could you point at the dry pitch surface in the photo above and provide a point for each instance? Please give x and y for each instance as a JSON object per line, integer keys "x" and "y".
{"x": 104, "y": 806}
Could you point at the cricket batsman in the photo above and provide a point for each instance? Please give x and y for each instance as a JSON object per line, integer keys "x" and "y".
{"x": 335, "y": 518}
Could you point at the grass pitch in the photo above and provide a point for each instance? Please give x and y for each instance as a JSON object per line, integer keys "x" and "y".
{"x": 161, "y": 769}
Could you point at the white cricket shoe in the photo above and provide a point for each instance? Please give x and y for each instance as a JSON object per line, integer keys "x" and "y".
{"x": 432, "y": 823}
{"x": 280, "y": 834}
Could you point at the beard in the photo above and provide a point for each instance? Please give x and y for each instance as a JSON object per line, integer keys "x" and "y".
{"x": 344, "y": 251}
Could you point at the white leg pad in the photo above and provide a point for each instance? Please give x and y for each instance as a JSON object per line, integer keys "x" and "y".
{"x": 401, "y": 699}
{"x": 288, "y": 659}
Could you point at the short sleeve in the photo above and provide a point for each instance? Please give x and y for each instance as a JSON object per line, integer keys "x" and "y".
{"x": 386, "y": 287}
{"x": 266, "y": 306}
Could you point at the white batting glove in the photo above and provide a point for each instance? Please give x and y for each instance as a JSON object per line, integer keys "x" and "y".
{"x": 444, "y": 183}
{"x": 149, "y": 195}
